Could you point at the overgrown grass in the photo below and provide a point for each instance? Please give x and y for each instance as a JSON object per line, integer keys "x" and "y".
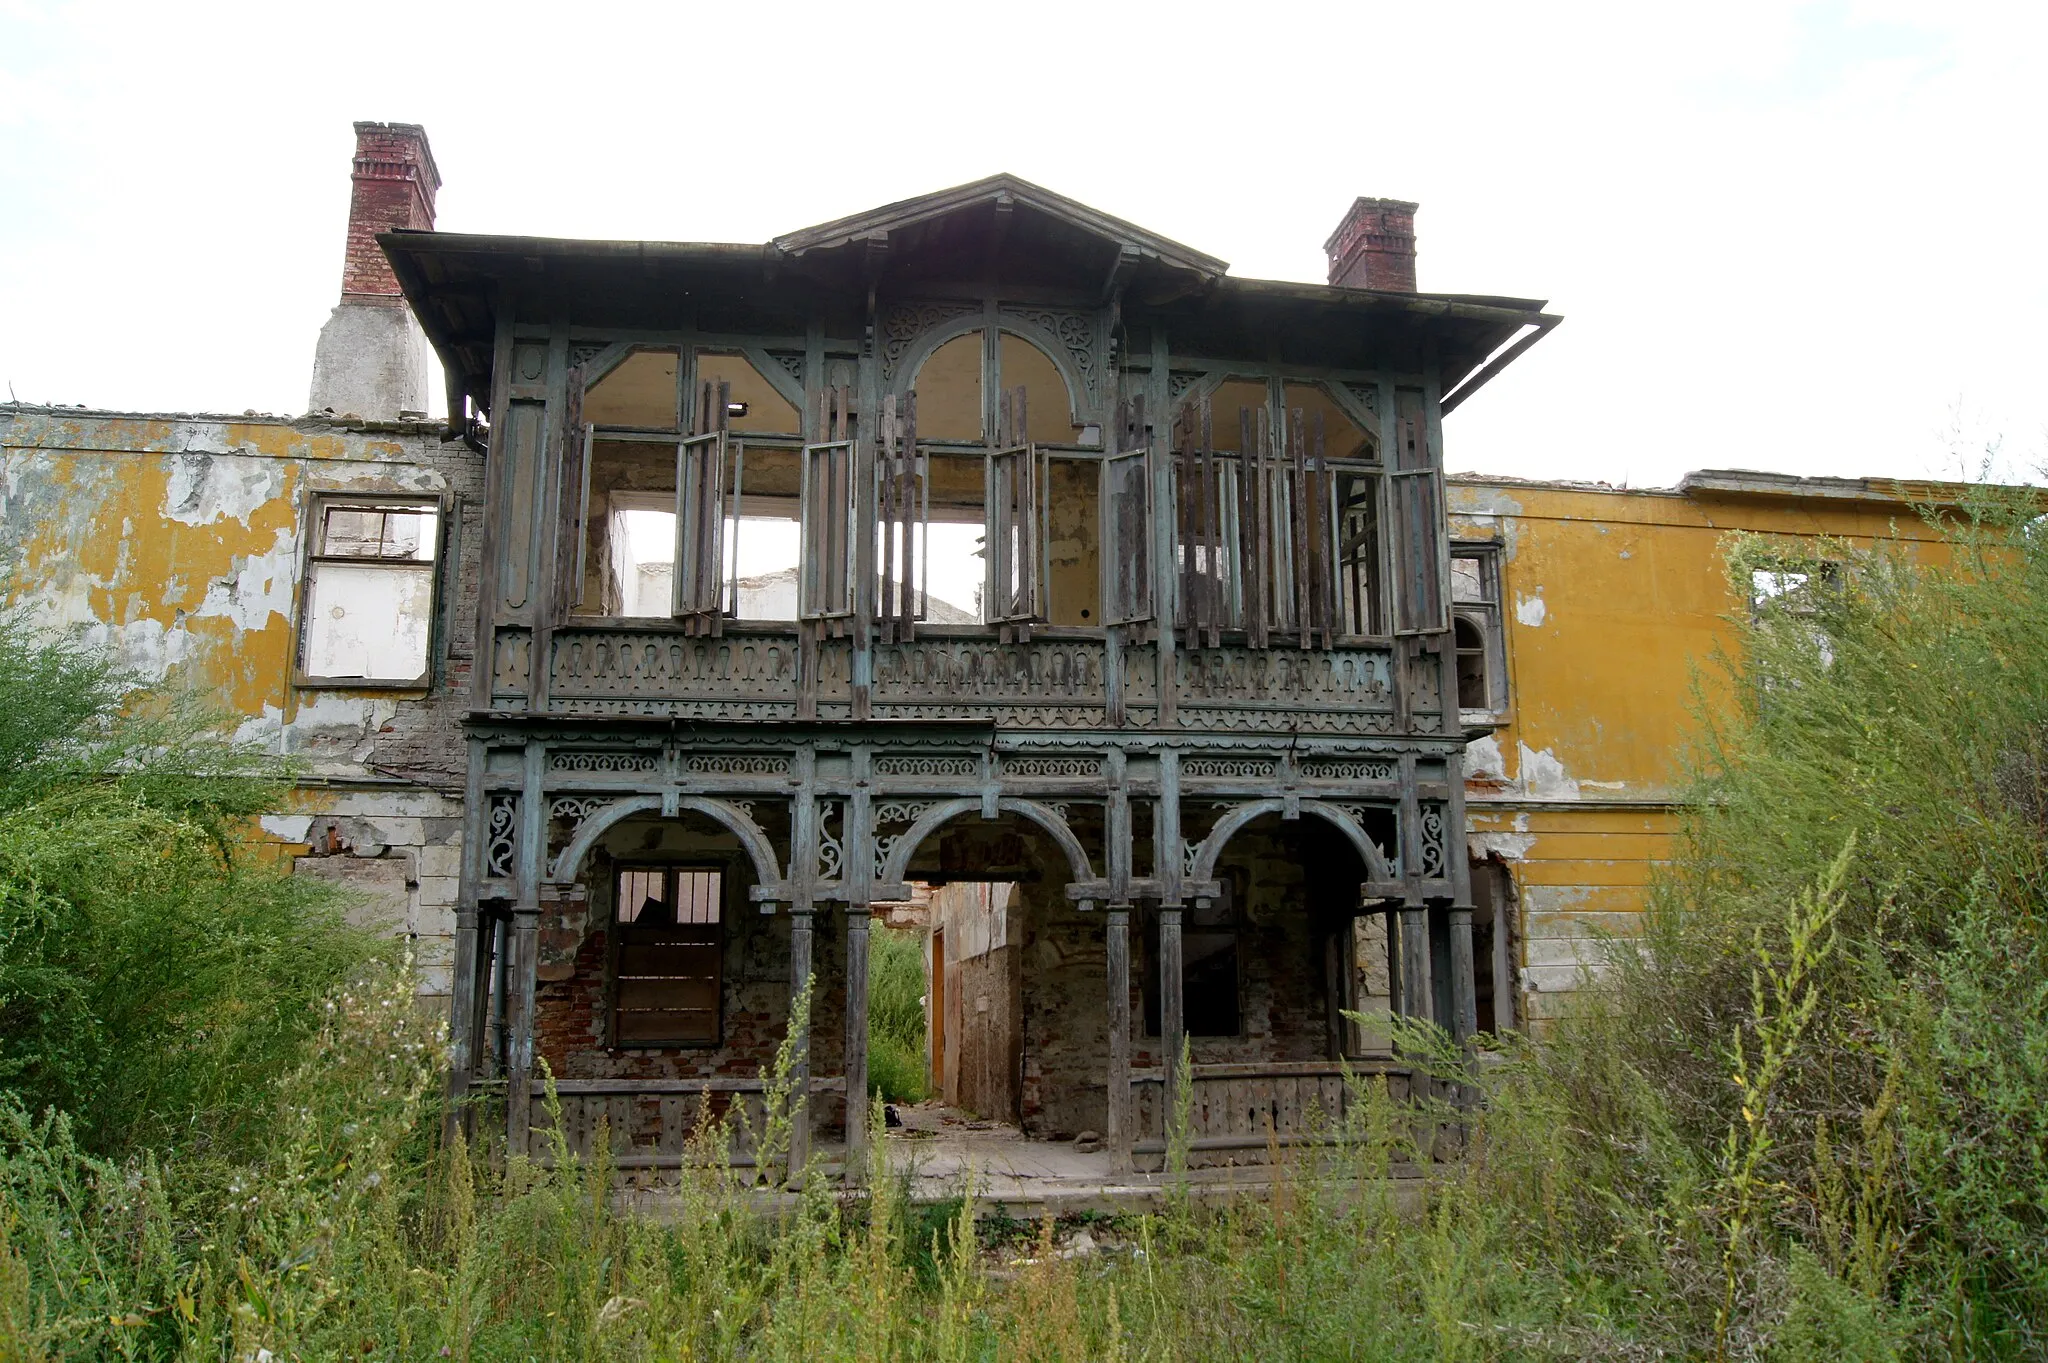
{"x": 1802, "y": 1122}
{"x": 897, "y": 1068}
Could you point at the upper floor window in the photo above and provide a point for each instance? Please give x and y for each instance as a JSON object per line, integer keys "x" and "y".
{"x": 1476, "y": 627}
{"x": 368, "y": 602}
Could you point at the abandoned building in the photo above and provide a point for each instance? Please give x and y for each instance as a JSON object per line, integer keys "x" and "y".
{"x": 981, "y": 541}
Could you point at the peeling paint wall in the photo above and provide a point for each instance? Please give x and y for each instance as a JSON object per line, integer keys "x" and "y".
{"x": 1611, "y": 602}
{"x": 178, "y": 542}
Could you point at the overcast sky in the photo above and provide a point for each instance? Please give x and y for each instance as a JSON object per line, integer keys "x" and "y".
{"x": 1806, "y": 238}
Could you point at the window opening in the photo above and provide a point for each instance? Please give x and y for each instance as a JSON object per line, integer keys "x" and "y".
{"x": 1051, "y": 406}
{"x": 369, "y": 598}
{"x": 1477, "y": 628}
{"x": 1359, "y": 556}
{"x": 1017, "y": 484}
{"x": 1415, "y": 496}
{"x": 948, "y": 387}
{"x": 1126, "y": 501}
{"x": 1343, "y": 438}
{"x": 1209, "y": 968}
{"x": 826, "y": 594}
{"x": 754, "y": 405}
{"x": 669, "y": 959}
{"x": 955, "y": 539}
{"x": 640, "y": 392}
{"x": 902, "y": 510}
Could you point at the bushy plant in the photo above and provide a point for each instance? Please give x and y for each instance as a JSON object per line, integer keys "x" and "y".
{"x": 154, "y": 971}
{"x": 897, "y": 1066}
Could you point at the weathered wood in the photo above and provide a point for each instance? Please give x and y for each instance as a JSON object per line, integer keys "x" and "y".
{"x": 519, "y": 1026}
{"x": 1464, "y": 1019}
{"x": 800, "y": 1120}
{"x": 856, "y": 1038}
{"x": 1171, "y": 1031}
{"x": 1117, "y": 1130}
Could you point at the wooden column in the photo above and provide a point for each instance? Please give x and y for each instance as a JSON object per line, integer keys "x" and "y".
{"x": 856, "y": 1039}
{"x": 1416, "y": 975}
{"x": 1117, "y": 1124}
{"x": 520, "y": 962}
{"x": 463, "y": 989}
{"x": 800, "y": 1064}
{"x": 1464, "y": 1020}
{"x": 1171, "y": 1028}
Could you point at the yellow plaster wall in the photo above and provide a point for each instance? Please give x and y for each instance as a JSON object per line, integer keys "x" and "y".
{"x": 1613, "y": 602}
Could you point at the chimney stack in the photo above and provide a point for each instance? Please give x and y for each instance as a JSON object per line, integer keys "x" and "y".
{"x": 1374, "y": 247}
{"x": 371, "y": 362}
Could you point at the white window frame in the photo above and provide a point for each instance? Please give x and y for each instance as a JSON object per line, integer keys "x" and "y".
{"x": 316, "y": 556}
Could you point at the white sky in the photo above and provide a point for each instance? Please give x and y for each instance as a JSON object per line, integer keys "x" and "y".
{"x": 1796, "y": 237}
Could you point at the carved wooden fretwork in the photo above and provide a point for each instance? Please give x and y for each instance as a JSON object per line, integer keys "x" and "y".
{"x": 501, "y": 835}
{"x": 1071, "y": 332}
{"x": 608, "y": 762}
{"x": 903, "y": 324}
{"x": 831, "y": 850}
{"x": 935, "y": 767}
{"x": 566, "y": 816}
{"x": 1081, "y": 768}
{"x": 1178, "y": 383}
{"x": 736, "y": 764}
{"x": 583, "y": 352}
{"x": 1230, "y": 768}
{"x": 1368, "y": 395}
{"x": 511, "y": 662}
{"x": 1348, "y": 769}
{"x": 1435, "y": 843}
{"x": 896, "y": 816}
{"x": 1379, "y": 824}
{"x": 792, "y": 363}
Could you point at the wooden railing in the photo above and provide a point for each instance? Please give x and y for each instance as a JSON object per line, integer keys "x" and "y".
{"x": 1248, "y": 1107}
{"x": 649, "y": 1122}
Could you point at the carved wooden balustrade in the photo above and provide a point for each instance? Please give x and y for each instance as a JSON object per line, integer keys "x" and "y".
{"x": 1056, "y": 681}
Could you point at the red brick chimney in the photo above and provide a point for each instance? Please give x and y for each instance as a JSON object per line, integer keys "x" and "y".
{"x": 1374, "y": 247}
{"x": 372, "y": 361}
{"x": 395, "y": 183}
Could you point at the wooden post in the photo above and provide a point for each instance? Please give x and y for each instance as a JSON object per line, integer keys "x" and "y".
{"x": 1464, "y": 1019}
{"x": 520, "y": 964}
{"x": 1117, "y": 1124}
{"x": 800, "y": 1066}
{"x": 1171, "y": 1029}
{"x": 856, "y": 1039}
{"x": 462, "y": 1030}
{"x": 1416, "y": 993}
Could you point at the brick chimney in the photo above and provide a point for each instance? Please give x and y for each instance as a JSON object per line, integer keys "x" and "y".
{"x": 372, "y": 358}
{"x": 1374, "y": 247}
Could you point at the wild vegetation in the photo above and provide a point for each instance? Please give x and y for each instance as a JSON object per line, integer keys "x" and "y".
{"x": 896, "y": 1045}
{"x": 1802, "y": 1121}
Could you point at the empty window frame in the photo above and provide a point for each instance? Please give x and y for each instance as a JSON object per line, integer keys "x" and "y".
{"x": 667, "y": 956}
{"x": 1210, "y": 969}
{"x": 1279, "y": 515}
{"x": 367, "y": 613}
{"x": 1476, "y": 629}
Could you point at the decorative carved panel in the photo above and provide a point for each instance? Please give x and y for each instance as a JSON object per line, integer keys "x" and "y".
{"x": 501, "y": 835}
{"x": 903, "y": 324}
{"x": 1348, "y": 769}
{"x": 1230, "y": 768}
{"x": 1082, "y": 768}
{"x": 934, "y": 767}
{"x": 1070, "y": 332}
{"x": 604, "y": 763}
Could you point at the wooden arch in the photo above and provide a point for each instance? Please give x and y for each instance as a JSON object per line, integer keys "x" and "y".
{"x": 1229, "y": 825}
{"x": 767, "y": 871}
{"x": 947, "y": 810}
{"x": 912, "y": 363}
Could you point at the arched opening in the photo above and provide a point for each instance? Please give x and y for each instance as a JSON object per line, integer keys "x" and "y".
{"x": 1016, "y": 1014}
{"x": 948, "y": 386}
{"x": 1048, "y": 406}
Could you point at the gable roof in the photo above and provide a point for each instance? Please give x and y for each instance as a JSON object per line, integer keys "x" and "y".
{"x": 1003, "y": 191}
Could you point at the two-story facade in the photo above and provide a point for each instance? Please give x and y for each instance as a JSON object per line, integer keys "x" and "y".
{"x": 1108, "y": 573}
{"x": 979, "y": 540}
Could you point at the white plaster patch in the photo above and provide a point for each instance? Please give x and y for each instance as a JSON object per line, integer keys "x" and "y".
{"x": 337, "y": 724}
{"x": 262, "y": 586}
{"x": 1530, "y": 610}
{"x": 287, "y": 827}
{"x": 1508, "y": 846}
{"x": 1483, "y": 758}
{"x": 1544, "y": 776}
{"x": 146, "y": 648}
{"x": 214, "y": 484}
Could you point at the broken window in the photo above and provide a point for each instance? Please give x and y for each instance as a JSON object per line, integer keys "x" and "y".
{"x": 1476, "y": 627}
{"x": 1416, "y": 511}
{"x": 369, "y": 593}
{"x": 668, "y": 956}
{"x": 1210, "y": 1004}
{"x": 1126, "y": 501}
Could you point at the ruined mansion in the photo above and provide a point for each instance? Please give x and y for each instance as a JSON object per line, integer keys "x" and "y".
{"x": 980, "y": 549}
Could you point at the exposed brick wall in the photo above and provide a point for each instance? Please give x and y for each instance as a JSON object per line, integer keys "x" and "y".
{"x": 1374, "y": 247}
{"x": 395, "y": 183}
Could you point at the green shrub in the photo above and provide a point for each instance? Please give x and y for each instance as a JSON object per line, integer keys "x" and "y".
{"x": 897, "y": 1067}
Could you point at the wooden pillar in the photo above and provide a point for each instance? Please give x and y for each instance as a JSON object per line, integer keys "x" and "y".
{"x": 520, "y": 962}
{"x": 800, "y": 1064}
{"x": 492, "y": 1006}
{"x": 1117, "y": 1124}
{"x": 463, "y": 989}
{"x": 856, "y": 1038}
{"x": 1171, "y": 1028}
{"x": 1416, "y": 976}
{"x": 1464, "y": 1019}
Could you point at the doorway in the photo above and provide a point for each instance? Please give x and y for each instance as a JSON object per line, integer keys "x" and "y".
{"x": 975, "y": 997}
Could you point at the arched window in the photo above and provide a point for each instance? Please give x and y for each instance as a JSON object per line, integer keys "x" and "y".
{"x": 948, "y": 386}
{"x": 1048, "y": 410}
